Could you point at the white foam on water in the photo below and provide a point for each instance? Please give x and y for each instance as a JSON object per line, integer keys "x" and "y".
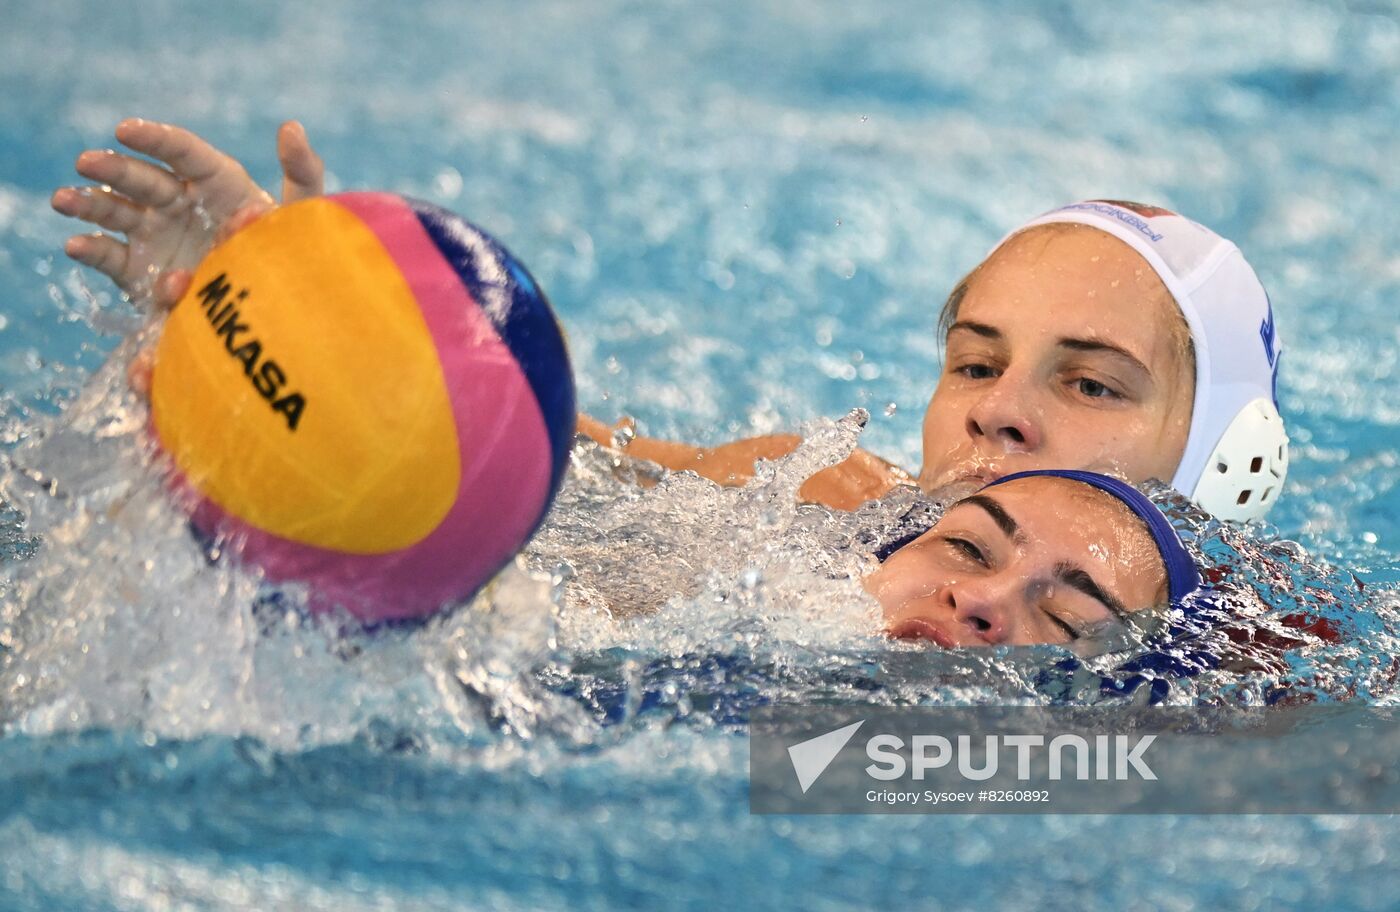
{"x": 640, "y": 580}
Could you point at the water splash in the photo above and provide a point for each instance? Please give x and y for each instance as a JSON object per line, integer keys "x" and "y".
{"x": 646, "y": 595}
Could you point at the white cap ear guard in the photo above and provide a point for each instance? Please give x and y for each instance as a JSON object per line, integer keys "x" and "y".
{"x": 1246, "y": 471}
{"x": 1235, "y": 421}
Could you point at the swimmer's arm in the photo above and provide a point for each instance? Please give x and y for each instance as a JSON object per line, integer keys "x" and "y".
{"x": 861, "y": 477}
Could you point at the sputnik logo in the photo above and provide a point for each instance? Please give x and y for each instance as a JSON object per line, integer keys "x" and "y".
{"x": 810, "y": 758}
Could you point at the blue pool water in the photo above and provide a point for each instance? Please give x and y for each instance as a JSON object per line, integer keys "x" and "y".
{"x": 746, "y": 215}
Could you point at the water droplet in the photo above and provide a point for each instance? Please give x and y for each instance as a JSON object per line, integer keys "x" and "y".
{"x": 448, "y": 183}
{"x": 624, "y": 435}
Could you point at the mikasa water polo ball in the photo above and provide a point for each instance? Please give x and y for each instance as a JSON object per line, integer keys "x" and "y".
{"x": 368, "y": 394}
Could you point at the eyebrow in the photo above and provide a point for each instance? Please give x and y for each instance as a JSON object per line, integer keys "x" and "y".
{"x": 988, "y": 331}
{"x": 1067, "y": 572}
{"x": 1076, "y": 577}
{"x": 981, "y": 329}
{"x": 996, "y": 511}
{"x": 1096, "y": 345}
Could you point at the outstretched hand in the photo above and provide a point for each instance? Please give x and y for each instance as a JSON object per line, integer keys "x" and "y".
{"x": 171, "y": 216}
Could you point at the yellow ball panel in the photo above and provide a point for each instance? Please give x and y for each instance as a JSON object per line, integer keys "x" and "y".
{"x": 298, "y": 387}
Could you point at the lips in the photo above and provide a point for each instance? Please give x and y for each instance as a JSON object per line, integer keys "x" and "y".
{"x": 920, "y": 629}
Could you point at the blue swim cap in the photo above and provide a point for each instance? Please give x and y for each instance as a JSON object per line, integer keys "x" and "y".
{"x": 1174, "y": 653}
{"x": 1183, "y": 577}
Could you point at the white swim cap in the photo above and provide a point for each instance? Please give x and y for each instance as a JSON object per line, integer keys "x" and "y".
{"x": 1236, "y": 454}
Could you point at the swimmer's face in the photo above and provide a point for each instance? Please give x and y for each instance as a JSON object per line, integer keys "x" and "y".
{"x": 1067, "y": 352}
{"x": 1036, "y": 560}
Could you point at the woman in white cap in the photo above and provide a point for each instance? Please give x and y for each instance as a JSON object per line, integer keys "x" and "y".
{"x": 1103, "y": 335}
{"x": 1118, "y": 337}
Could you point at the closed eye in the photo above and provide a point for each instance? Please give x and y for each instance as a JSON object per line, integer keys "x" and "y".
{"x": 967, "y": 549}
{"x": 1062, "y": 624}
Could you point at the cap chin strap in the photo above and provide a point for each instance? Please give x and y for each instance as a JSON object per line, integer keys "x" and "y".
{"x": 1245, "y": 473}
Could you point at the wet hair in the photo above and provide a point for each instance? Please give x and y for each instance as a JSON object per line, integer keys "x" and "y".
{"x": 1181, "y": 333}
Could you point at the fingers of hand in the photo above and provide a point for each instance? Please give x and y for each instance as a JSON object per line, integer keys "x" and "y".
{"x": 100, "y": 206}
{"x": 142, "y": 182}
{"x": 219, "y": 182}
{"x": 187, "y": 155}
{"x": 105, "y": 254}
{"x": 303, "y": 173}
{"x": 171, "y": 286}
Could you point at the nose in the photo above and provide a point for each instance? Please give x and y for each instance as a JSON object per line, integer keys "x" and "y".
{"x": 979, "y": 610}
{"x": 1005, "y": 417}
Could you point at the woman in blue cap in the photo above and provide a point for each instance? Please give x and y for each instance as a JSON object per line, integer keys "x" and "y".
{"x": 1045, "y": 556}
